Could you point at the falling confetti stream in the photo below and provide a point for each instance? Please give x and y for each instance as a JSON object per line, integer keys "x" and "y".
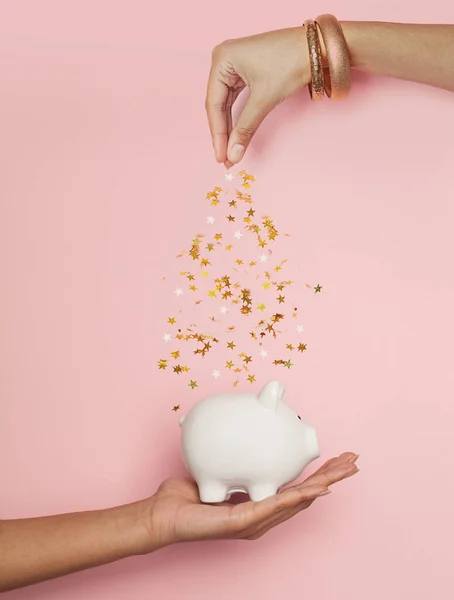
{"x": 229, "y": 270}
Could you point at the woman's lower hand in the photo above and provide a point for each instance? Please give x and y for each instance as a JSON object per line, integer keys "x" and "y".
{"x": 175, "y": 514}
{"x": 272, "y": 65}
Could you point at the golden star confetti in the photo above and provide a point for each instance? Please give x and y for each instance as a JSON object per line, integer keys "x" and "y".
{"x": 231, "y": 302}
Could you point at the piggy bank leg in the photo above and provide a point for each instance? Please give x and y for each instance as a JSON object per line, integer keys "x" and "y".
{"x": 260, "y": 491}
{"x": 211, "y": 492}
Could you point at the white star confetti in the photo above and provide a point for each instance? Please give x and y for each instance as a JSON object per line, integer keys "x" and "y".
{"x": 229, "y": 176}
{"x": 263, "y": 353}
{"x": 167, "y": 337}
{"x": 179, "y": 292}
{"x": 216, "y": 374}
{"x": 211, "y": 220}
{"x": 237, "y": 235}
{"x": 263, "y": 258}
{"x": 224, "y": 310}
{"x": 299, "y": 328}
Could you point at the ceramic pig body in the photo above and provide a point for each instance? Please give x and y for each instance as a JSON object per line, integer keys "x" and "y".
{"x": 245, "y": 443}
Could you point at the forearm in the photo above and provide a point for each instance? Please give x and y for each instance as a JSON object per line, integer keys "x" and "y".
{"x": 419, "y": 53}
{"x": 33, "y": 550}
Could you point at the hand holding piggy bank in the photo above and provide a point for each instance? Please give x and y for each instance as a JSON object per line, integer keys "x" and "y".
{"x": 245, "y": 443}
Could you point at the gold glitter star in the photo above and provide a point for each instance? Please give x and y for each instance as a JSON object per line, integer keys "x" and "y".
{"x": 239, "y": 261}
{"x": 302, "y": 347}
{"x": 212, "y": 293}
{"x": 230, "y": 218}
{"x": 230, "y": 345}
{"x": 229, "y": 364}
{"x": 171, "y": 320}
{"x": 266, "y": 285}
{"x": 192, "y": 384}
{"x": 281, "y": 299}
{"x": 175, "y": 354}
{"x": 204, "y": 273}
{"x": 251, "y": 378}
{"x": 236, "y": 382}
{"x": 193, "y": 288}
{"x": 176, "y": 408}
{"x": 162, "y": 364}
{"x": 177, "y": 369}
{"x": 210, "y": 247}
{"x": 277, "y": 317}
{"x": 218, "y": 236}
{"x": 232, "y": 203}
{"x": 252, "y": 263}
{"x": 247, "y": 359}
{"x": 318, "y": 288}
{"x": 289, "y": 347}
{"x": 229, "y": 247}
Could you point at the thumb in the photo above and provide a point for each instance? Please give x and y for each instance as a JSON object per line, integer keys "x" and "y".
{"x": 255, "y": 111}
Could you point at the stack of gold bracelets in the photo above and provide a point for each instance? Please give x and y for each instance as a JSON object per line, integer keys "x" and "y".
{"x": 331, "y": 72}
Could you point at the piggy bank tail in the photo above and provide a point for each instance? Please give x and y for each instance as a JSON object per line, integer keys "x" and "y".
{"x": 181, "y": 421}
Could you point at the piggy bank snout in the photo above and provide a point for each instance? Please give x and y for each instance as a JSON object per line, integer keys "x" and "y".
{"x": 311, "y": 442}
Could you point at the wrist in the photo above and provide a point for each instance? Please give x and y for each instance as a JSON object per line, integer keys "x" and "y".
{"x": 133, "y": 522}
{"x": 352, "y": 34}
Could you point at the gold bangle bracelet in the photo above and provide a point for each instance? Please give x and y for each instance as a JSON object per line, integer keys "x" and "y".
{"x": 316, "y": 86}
{"x": 337, "y": 74}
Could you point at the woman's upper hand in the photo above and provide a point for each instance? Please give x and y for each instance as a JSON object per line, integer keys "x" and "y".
{"x": 272, "y": 65}
{"x": 175, "y": 513}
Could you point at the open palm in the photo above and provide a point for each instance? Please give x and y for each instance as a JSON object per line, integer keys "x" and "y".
{"x": 177, "y": 515}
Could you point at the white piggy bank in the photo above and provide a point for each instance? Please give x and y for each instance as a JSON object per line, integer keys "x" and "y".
{"x": 245, "y": 443}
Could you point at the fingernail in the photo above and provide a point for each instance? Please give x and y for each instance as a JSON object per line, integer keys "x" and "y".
{"x": 236, "y": 153}
{"x": 325, "y": 493}
{"x": 354, "y": 473}
{"x": 354, "y": 459}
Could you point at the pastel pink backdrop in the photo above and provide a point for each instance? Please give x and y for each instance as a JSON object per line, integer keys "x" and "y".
{"x": 105, "y": 157}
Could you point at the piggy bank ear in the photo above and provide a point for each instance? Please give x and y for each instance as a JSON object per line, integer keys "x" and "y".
{"x": 271, "y": 394}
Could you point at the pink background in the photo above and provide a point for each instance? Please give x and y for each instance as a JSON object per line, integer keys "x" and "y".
{"x": 103, "y": 143}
